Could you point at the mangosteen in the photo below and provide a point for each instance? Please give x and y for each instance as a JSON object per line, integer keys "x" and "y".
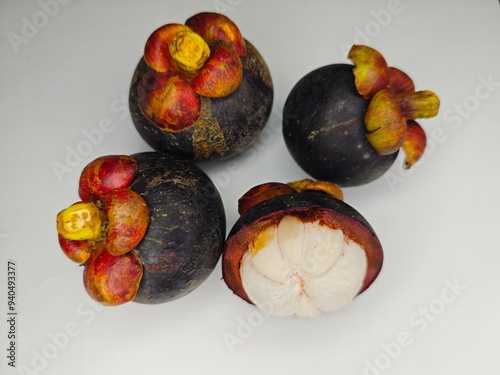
{"x": 346, "y": 123}
{"x": 201, "y": 91}
{"x": 149, "y": 228}
{"x": 298, "y": 249}
{"x": 187, "y": 227}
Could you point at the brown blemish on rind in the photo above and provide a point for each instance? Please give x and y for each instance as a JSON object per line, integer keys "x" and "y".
{"x": 208, "y": 136}
{"x": 254, "y": 62}
{"x": 329, "y": 127}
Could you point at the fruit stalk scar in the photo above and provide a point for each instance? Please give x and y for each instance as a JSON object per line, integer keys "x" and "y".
{"x": 189, "y": 51}
{"x": 81, "y": 221}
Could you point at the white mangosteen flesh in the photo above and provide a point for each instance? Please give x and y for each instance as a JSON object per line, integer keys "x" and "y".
{"x": 303, "y": 269}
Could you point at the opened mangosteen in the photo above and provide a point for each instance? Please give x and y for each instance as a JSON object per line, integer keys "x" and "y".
{"x": 346, "y": 123}
{"x": 298, "y": 249}
{"x": 201, "y": 91}
{"x": 149, "y": 228}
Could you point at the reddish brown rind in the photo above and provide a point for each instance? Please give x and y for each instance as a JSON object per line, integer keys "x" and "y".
{"x": 215, "y": 27}
{"x": 112, "y": 280}
{"x": 308, "y": 206}
{"x": 105, "y": 174}
{"x": 128, "y": 219}
{"x": 262, "y": 192}
{"x": 221, "y": 75}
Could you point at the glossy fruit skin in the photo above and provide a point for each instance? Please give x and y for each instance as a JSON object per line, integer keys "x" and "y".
{"x": 324, "y": 129}
{"x": 308, "y": 205}
{"x": 229, "y": 124}
{"x": 187, "y": 227}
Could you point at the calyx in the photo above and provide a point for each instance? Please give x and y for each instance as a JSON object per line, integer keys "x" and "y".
{"x": 102, "y": 230}
{"x": 394, "y": 105}
{"x": 201, "y": 58}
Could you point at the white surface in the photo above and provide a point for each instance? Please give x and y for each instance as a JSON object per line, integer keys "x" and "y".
{"x": 434, "y": 308}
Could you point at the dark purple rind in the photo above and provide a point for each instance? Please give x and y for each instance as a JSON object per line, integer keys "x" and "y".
{"x": 324, "y": 128}
{"x": 231, "y": 124}
{"x": 187, "y": 227}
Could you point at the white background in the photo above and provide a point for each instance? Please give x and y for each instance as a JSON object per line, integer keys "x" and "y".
{"x": 434, "y": 309}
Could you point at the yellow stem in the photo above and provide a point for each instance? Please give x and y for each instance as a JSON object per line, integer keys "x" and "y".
{"x": 189, "y": 51}
{"x": 81, "y": 221}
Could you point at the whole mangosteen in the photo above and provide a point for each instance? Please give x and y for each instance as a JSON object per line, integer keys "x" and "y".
{"x": 346, "y": 123}
{"x": 149, "y": 228}
{"x": 201, "y": 91}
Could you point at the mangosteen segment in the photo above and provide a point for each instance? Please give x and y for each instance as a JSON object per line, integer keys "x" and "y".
{"x": 303, "y": 269}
